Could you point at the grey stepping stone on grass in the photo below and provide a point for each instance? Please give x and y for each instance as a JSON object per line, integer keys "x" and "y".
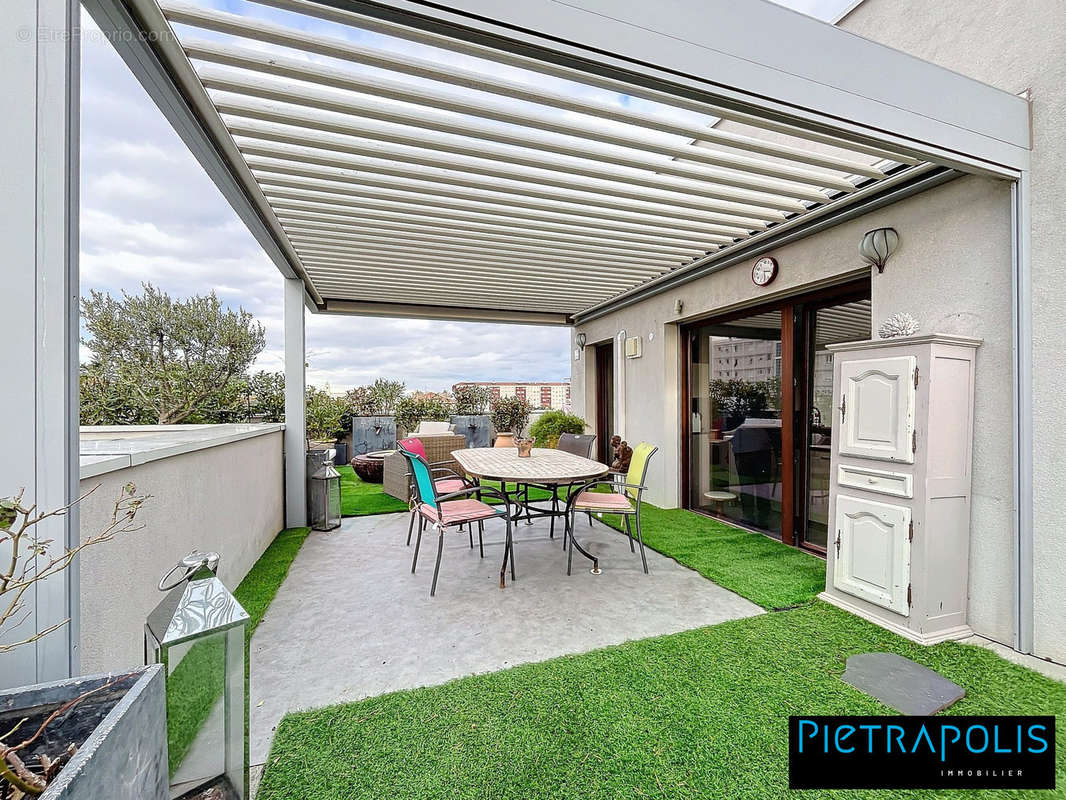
{"x": 901, "y": 683}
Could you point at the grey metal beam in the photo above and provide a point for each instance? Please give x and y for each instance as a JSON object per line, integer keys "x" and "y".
{"x": 509, "y": 316}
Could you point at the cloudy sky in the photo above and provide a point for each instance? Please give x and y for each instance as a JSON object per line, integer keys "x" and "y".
{"x": 149, "y": 212}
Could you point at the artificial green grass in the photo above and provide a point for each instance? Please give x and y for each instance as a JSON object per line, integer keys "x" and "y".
{"x": 698, "y": 714}
{"x": 196, "y": 683}
{"x": 765, "y": 571}
{"x": 359, "y": 498}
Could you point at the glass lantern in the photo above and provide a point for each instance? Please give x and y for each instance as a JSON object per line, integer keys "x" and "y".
{"x": 326, "y": 498}
{"x": 198, "y": 634}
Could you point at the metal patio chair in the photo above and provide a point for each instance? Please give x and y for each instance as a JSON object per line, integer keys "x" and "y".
{"x": 452, "y": 483}
{"x": 578, "y": 444}
{"x": 625, "y": 503}
{"x": 447, "y": 510}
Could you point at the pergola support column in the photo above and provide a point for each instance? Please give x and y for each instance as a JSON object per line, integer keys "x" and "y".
{"x": 295, "y": 409}
{"x": 39, "y": 314}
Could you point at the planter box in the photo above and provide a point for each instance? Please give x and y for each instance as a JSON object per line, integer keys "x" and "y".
{"x": 120, "y": 733}
{"x": 372, "y": 433}
{"x": 477, "y": 428}
{"x": 438, "y": 448}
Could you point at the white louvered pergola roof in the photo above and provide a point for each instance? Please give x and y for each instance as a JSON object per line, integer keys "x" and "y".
{"x": 400, "y": 167}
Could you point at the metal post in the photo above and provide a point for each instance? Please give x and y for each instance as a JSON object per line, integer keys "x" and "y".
{"x": 1021, "y": 278}
{"x": 39, "y": 309}
{"x": 295, "y": 411}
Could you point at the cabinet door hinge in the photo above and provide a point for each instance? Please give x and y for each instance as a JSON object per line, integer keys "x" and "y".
{"x": 843, "y": 408}
{"x": 915, "y": 377}
{"x": 909, "y": 595}
{"x": 914, "y": 441}
{"x": 838, "y": 544}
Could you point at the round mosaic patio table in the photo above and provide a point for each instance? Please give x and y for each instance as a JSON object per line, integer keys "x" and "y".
{"x": 543, "y": 467}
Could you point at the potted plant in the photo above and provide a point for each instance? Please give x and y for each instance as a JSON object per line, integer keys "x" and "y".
{"x": 81, "y": 738}
{"x": 324, "y": 417}
{"x": 510, "y": 415}
{"x": 546, "y": 430}
{"x": 470, "y": 419}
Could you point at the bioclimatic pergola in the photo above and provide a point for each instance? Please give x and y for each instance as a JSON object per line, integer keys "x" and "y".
{"x": 534, "y": 162}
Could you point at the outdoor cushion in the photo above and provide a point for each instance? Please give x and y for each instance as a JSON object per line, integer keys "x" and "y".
{"x": 446, "y": 485}
{"x": 603, "y": 501}
{"x": 429, "y": 427}
{"x": 453, "y": 512}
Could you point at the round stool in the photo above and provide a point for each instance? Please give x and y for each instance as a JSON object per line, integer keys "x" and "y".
{"x": 720, "y": 498}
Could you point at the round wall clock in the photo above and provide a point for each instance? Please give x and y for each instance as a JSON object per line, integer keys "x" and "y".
{"x": 764, "y": 271}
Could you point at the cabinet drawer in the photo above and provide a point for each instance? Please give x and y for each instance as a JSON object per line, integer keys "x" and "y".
{"x": 897, "y": 484}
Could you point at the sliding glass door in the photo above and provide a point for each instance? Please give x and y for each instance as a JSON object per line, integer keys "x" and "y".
{"x": 734, "y": 427}
{"x": 758, "y": 419}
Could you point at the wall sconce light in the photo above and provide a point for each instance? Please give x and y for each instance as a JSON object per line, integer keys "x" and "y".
{"x": 877, "y": 245}
{"x": 580, "y": 339}
{"x": 678, "y": 305}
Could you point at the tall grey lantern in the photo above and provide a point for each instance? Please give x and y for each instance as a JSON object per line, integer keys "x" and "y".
{"x": 326, "y": 498}
{"x": 198, "y": 634}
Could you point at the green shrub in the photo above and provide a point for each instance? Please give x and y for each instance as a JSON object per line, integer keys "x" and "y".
{"x": 547, "y": 429}
{"x": 325, "y": 415}
{"x": 432, "y": 406}
{"x": 510, "y": 414}
{"x": 470, "y": 399}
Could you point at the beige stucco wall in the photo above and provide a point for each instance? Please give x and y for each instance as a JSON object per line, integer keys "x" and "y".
{"x": 1016, "y": 46}
{"x": 952, "y": 272}
{"x": 228, "y": 499}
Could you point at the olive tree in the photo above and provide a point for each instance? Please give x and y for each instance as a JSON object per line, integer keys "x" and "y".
{"x": 171, "y": 359}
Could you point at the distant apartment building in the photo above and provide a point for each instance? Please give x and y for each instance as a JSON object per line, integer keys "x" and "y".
{"x": 540, "y": 395}
{"x": 746, "y": 359}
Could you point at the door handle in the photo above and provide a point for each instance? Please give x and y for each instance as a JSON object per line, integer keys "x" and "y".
{"x": 843, "y": 408}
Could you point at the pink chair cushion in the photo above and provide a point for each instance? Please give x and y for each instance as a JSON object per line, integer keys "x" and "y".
{"x": 412, "y": 445}
{"x": 603, "y": 501}
{"x": 446, "y": 485}
{"x": 454, "y": 512}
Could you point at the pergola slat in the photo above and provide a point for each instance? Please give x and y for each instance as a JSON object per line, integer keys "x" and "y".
{"x": 548, "y": 172}
{"x": 385, "y": 185}
{"x": 546, "y": 67}
{"x": 433, "y": 243}
{"x": 475, "y": 225}
{"x": 370, "y": 269}
{"x": 296, "y": 148}
{"x": 537, "y": 272}
{"x": 472, "y": 255}
{"x": 434, "y": 128}
{"x": 384, "y": 223}
{"x": 332, "y": 47}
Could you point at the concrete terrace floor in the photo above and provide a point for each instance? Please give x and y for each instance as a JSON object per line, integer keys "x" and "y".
{"x": 351, "y": 621}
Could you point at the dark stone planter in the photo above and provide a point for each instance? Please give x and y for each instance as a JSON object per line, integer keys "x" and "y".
{"x": 477, "y": 428}
{"x": 120, "y": 734}
{"x": 370, "y": 434}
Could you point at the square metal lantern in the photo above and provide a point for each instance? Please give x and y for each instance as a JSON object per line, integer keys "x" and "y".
{"x": 326, "y": 498}
{"x": 198, "y": 634}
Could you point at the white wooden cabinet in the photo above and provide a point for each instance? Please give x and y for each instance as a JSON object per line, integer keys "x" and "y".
{"x": 899, "y": 506}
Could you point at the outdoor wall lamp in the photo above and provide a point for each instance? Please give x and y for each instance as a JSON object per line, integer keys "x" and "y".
{"x": 580, "y": 339}
{"x": 877, "y": 245}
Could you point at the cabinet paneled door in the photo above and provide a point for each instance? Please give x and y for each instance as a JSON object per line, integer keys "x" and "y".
{"x": 877, "y": 409}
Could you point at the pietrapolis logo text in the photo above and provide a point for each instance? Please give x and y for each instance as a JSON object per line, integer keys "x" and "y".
{"x": 921, "y": 752}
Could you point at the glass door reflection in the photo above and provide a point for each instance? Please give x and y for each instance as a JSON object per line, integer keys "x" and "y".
{"x": 735, "y": 421}
{"x": 835, "y": 324}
